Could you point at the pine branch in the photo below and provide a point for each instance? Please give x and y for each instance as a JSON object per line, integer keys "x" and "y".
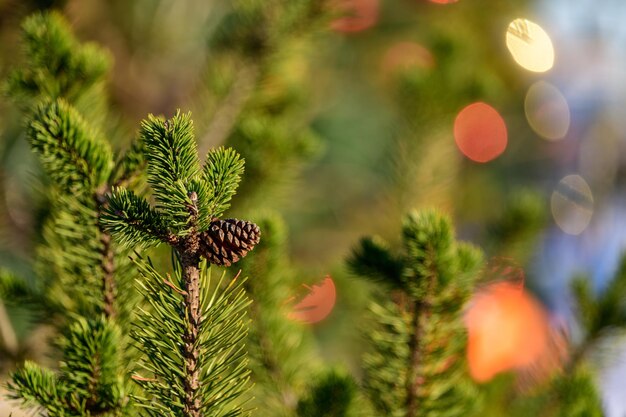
{"x": 75, "y": 158}
{"x": 37, "y": 386}
{"x": 222, "y": 172}
{"x": 172, "y": 164}
{"x": 57, "y": 64}
{"x": 182, "y": 329}
{"x": 437, "y": 277}
{"x": 372, "y": 259}
{"x": 133, "y": 221}
{"x": 186, "y": 378}
{"x": 87, "y": 384}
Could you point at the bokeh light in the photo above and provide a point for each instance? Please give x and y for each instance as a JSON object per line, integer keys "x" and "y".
{"x": 572, "y": 204}
{"x": 530, "y": 45}
{"x": 406, "y": 56}
{"x": 547, "y": 111}
{"x": 443, "y": 1}
{"x": 480, "y": 132}
{"x": 507, "y": 329}
{"x": 357, "y": 15}
{"x": 317, "y": 304}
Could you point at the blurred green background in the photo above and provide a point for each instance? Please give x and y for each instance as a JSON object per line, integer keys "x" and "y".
{"x": 369, "y": 134}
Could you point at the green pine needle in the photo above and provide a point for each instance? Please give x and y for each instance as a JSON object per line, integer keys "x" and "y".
{"x": 158, "y": 331}
{"x": 372, "y": 259}
{"x": 57, "y": 64}
{"x": 132, "y": 221}
{"x": 172, "y": 165}
{"x": 72, "y": 153}
{"x": 222, "y": 172}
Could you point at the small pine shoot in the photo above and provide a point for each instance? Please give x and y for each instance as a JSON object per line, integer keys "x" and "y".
{"x": 415, "y": 364}
{"x": 192, "y": 333}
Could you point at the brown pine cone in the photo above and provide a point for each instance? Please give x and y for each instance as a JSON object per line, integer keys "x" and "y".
{"x": 227, "y": 241}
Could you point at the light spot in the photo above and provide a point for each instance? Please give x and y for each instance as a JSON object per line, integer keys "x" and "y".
{"x": 480, "y": 132}
{"x": 356, "y": 15}
{"x": 547, "y": 111}
{"x": 572, "y": 204}
{"x": 406, "y": 56}
{"x": 530, "y": 45}
{"x": 507, "y": 329}
{"x": 317, "y": 304}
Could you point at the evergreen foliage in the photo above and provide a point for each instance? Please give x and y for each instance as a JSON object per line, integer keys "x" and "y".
{"x": 73, "y": 155}
{"x": 192, "y": 337}
{"x": 88, "y": 381}
{"x": 85, "y": 280}
{"x": 414, "y": 366}
{"x": 330, "y": 397}
{"x": 57, "y": 64}
{"x": 222, "y": 358}
{"x": 135, "y": 338}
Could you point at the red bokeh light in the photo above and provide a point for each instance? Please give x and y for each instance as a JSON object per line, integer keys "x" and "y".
{"x": 404, "y": 56}
{"x": 443, "y": 1}
{"x": 358, "y": 15}
{"x": 317, "y": 304}
{"x": 480, "y": 132}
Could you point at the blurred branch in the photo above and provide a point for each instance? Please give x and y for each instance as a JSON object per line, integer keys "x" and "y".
{"x": 229, "y": 109}
{"x": 8, "y": 338}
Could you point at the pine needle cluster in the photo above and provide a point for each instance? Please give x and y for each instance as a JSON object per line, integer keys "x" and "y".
{"x": 415, "y": 364}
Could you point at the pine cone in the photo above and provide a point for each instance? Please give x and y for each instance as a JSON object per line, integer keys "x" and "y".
{"x": 227, "y": 241}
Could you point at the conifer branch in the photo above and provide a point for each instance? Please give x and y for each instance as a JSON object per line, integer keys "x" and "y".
{"x": 174, "y": 334}
{"x": 58, "y": 64}
{"x": 133, "y": 221}
{"x": 437, "y": 277}
{"x": 172, "y": 165}
{"x": 70, "y": 151}
{"x": 223, "y": 169}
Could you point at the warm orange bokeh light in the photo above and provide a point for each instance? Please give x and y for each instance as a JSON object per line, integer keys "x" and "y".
{"x": 507, "y": 329}
{"x": 317, "y": 304}
{"x": 480, "y": 132}
{"x": 443, "y": 1}
{"x": 405, "y": 56}
{"x": 358, "y": 15}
